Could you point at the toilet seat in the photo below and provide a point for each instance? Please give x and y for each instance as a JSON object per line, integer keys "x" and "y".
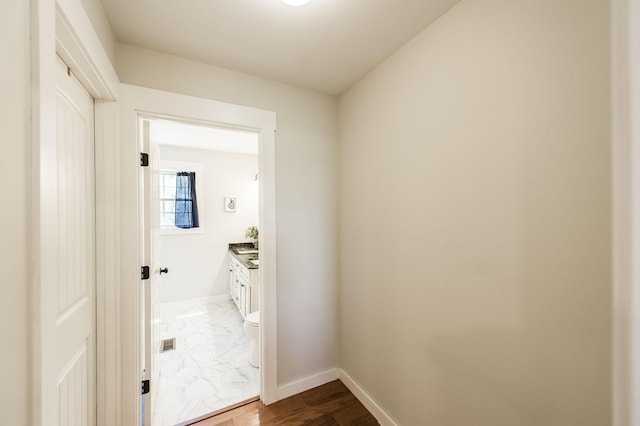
{"x": 253, "y": 319}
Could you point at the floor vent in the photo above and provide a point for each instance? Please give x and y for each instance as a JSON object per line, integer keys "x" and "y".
{"x": 168, "y": 345}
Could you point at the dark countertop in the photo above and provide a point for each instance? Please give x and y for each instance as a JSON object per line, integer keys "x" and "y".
{"x": 235, "y": 250}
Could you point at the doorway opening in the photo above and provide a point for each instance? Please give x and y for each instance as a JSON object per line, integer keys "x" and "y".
{"x": 200, "y": 233}
{"x": 137, "y": 105}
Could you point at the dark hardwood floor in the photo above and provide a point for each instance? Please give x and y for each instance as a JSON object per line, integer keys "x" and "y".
{"x": 326, "y": 405}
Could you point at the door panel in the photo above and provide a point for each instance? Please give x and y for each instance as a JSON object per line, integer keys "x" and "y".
{"x": 152, "y": 255}
{"x": 75, "y": 324}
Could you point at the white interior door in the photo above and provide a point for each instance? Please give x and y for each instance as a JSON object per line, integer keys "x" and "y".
{"x": 75, "y": 325}
{"x": 152, "y": 256}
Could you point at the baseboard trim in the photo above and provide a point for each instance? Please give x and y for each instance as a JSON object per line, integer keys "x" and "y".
{"x": 194, "y": 301}
{"x": 307, "y": 383}
{"x": 370, "y": 404}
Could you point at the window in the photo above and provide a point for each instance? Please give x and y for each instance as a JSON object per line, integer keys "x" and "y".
{"x": 167, "y": 199}
{"x": 167, "y": 182}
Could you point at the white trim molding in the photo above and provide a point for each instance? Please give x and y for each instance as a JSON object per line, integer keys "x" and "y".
{"x": 136, "y": 103}
{"x": 370, "y": 404}
{"x": 62, "y": 27}
{"x": 625, "y": 47}
{"x": 107, "y": 158}
{"x": 188, "y": 303}
{"x": 297, "y": 386}
{"x": 330, "y": 375}
{"x": 79, "y": 47}
{"x": 43, "y": 248}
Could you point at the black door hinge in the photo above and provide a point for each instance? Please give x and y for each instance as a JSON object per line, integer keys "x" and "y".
{"x": 145, "y": 387}
{"x": 144, "y": 159}
{"x": 144, "y": 273}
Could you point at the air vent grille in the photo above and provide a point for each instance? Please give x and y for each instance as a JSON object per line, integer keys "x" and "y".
{"x": 168, "y": 345}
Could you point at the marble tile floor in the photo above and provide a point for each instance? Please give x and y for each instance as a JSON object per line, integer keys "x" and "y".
{"x": 209, "y": 369}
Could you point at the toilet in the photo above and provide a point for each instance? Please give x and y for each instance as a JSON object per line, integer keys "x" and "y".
{"x": 252, "y": 328}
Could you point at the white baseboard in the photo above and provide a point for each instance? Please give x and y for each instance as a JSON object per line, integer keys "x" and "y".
{"x": 195, "y": 301}
{"x": 307, "y": 383}
{"x": 370, "y": 404}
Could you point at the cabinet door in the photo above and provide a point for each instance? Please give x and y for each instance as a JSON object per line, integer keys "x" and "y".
{"x": 232, "y": 279}
{"x": 243, "y": 299}
{"x": 238, "y": 297}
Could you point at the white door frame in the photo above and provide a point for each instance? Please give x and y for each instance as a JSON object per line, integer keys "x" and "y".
{"x": 136, "y": 102}
{"x": 63, "y": 27}
{"x": 625, "y": 50}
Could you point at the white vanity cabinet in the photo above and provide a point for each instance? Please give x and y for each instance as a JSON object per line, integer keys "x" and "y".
{"x": 243, "y": 286}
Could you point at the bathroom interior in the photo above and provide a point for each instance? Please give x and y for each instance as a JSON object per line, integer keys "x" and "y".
{"x": 208, "y": 308}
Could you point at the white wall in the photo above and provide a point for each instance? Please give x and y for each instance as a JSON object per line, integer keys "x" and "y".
{"x": 475, "y": 216}
{"x": 198, "y": 262}
{"x": 15, "y": 171}
{"x": 305, "y": 195}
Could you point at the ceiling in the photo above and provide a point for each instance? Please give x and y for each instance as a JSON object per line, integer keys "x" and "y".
{"x": 184, "y": 135}
{"x": 326, "y": 45}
